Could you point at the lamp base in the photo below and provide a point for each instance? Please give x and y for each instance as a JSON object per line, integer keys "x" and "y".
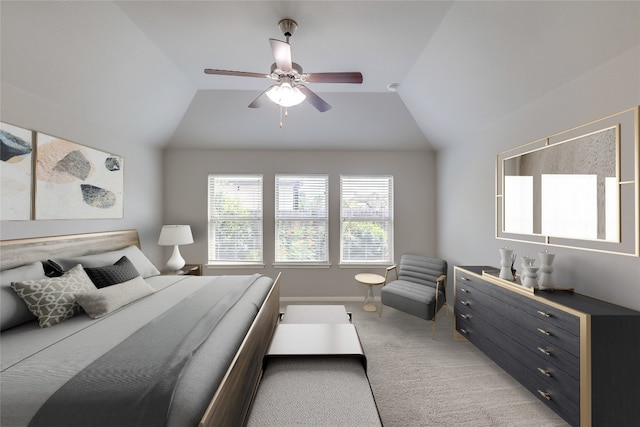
{"x": 176, "y": 262}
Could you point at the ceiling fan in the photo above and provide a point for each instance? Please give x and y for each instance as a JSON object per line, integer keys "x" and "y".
{"x": 290, "y": 89}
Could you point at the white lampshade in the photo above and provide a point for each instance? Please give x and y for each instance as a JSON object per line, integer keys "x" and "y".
{"x": 171, "y": 235}
{"x": 174, "y": 235}
{"x": 285, "y": 95}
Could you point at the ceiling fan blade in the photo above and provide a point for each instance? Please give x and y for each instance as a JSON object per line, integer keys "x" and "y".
{"x": 234, "y": 73}
{"x": 261, "y": 100}
{"x": 282, "y": 54}
{"x": 348, "y": 77}
{"x": 313, "y": 99}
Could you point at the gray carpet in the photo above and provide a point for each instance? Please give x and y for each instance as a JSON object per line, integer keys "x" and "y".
{"x": 417, "y": 381}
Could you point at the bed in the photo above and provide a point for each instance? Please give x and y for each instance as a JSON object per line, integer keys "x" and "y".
{"x": 160, "y": 350}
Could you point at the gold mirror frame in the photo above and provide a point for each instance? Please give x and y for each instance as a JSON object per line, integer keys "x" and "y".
{"x": 626, "y": 124}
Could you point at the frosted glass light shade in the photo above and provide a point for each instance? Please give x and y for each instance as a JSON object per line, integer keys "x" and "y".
{"x": 285, "y": 95}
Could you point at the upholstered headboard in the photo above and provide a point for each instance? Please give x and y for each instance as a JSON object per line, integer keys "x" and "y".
{"x": 17, "y": 252}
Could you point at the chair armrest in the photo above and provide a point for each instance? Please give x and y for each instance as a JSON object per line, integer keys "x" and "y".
{"x": 387, "y": 270}
{"x": 442, "y": 279}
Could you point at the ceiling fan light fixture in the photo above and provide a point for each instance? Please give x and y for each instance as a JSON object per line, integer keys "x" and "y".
{"x": 285, "y": 95}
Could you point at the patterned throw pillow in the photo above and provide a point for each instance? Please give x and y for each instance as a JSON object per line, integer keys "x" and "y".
{"x": 52, "y": 299}
{"x": 122, "y": 271}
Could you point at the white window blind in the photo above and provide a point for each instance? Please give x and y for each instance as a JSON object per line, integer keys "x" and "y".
{"x": 301, "y": 218}
{"x": 235, "y": 219}
{"x": 366, "y": 217}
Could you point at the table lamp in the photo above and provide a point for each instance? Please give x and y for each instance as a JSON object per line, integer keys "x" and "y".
{"x": 175, "y": 235}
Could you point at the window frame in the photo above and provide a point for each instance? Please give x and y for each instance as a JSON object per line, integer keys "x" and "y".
{"x": 256, "y": 221}
{"x": 280, "y": 216}
{"x": 388, "y": 219}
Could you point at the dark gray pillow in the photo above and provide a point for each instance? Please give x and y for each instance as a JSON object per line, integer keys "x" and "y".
{"x": 122, "y": 271}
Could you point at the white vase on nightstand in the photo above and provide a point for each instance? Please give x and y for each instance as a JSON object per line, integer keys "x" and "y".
{"x": 544, "y": 279}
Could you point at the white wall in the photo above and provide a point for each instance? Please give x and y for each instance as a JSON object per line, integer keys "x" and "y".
{"x": 142, "y": 171}
{"x": 185, "y": 202}
{"x": 466, "y": 182}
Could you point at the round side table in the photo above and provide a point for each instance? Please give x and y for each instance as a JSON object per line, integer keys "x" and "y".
{"x": 370, "y": 280}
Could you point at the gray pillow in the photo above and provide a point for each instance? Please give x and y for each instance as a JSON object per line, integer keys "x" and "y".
{"x": 52, "y": 299}
{"x": 13, "y": 311}
{"x": 140, "y": 261}
{"x": 103, "y": 301}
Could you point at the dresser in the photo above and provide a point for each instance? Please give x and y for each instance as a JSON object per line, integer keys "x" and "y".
{"x": 579, "y": 355}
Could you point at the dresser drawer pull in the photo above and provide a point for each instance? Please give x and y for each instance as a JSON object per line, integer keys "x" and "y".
{"x": 465, "y": 316}
{"x": 545, "y": 394}
{"x": 542, "y": 331}
{"x": 545, "y": 351}
{"x": 464, "y": 331}
{"x": 545, "y": 372}
{"x": 464, "y": 303}
{"x": 464, "y": 290}
{"x": 464, "y": 279}
{"x": 542, "y": 313}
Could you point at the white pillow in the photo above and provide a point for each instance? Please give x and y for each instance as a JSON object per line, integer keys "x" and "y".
{"x": 100, "y": 302}
{"x": 135, "y": 255}
{"x": 52, "y": 299}
{"x": 13, "y": 311}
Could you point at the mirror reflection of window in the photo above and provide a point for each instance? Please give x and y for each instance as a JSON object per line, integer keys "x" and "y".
{"x": 612, "y": 213}
{"x": 563, "y": 196}
{"x": 518, "y": 204}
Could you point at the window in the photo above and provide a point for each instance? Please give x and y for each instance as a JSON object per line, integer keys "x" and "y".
{"x": 366, "y": 219}
{"x": 235, "y": 219}
{"x": 301, "y": 219}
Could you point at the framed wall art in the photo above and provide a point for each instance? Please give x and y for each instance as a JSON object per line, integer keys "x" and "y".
{"x": 77, "y": 182}
{"x": 16, "y": 173}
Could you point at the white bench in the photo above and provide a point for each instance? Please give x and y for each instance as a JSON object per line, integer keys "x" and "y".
{"x": 315, "y": 372}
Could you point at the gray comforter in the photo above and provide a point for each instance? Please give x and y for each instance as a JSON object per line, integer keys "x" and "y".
{"x": 38, "y": 362}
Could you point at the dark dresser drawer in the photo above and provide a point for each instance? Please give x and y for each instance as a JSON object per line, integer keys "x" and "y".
{"x": 554, "y": 369}
{"x": 543, "y": 333}
{"x": 561, "y": 396}
{"x": 576, "y": 354}
{"x": 534, "y": 308}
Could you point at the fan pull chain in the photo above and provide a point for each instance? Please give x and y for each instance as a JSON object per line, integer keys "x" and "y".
{"x": 286, "y": 114}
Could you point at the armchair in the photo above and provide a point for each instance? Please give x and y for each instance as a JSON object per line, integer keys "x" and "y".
{"x": 419, "y": 287}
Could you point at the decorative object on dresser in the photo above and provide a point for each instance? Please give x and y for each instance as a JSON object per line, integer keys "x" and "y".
{"x": 175, "y": 235}
{"x": 544, "y": 280}
{"x": 506, "y": 263}
{"x": 577, "y": 354}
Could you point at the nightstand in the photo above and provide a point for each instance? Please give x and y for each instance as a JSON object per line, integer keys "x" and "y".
{"x": 187, "y": 270}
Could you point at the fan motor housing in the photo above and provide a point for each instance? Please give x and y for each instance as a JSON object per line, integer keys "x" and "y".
{"x": 288, "y": 26}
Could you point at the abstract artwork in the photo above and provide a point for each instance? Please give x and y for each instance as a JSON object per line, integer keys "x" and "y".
{"x": 16, "y": 147}
{"x": 77, "y": 182}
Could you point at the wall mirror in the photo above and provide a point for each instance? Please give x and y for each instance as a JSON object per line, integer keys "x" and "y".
{"x": 577, "y": 188}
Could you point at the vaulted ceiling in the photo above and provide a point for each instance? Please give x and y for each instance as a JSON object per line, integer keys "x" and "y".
{"x": 136, "y": 67}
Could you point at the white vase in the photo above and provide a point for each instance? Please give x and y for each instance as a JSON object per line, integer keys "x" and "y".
{"x": 544, "y": 279}
{"x": 530, "y": 276}
{"x": 505, "y": 264}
